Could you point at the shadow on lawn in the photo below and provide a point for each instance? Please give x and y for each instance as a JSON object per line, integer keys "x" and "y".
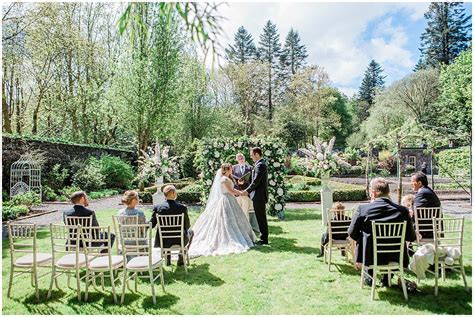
{"x": 285, "y": 245}
{"x": 197, "y": 275}
{"x": 276, "y": 230}
{"x": 451, "y": 299}
{"x": 296, "y": 215}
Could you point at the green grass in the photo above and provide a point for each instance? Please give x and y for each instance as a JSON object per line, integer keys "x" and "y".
{"x": 283, "y": 278}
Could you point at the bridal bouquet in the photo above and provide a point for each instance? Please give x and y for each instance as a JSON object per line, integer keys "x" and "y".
{"x": 320, "y": 159}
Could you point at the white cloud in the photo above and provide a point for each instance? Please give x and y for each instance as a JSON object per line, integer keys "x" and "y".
{"x": 333, "y": 33}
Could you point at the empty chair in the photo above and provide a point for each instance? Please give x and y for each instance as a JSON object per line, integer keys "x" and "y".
{"x": 23, "y": 241}
{"x": 68, "y": 256}
{"x": 171, "y": 230}
{"x": 144, "y": 259}
{"x": 388, "y": 243}
{"x": 448, "y": 235}
{"x": 338, "y": 225}
{"x": 96, "y": 240}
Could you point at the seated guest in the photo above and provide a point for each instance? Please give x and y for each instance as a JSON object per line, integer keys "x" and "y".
{"x": 80, "y": 201}
{"x": 380, "y": 209}
{"x": 130, "y": 199}
{"x": 338, "y": 214}
{"x": 424, "y": 197}
{"x": 407, "y": 201}
{"x": 171, "y": 207}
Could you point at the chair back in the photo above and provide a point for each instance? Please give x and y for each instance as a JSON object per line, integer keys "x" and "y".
{"x": 22, "y": 238}
{"x": 423, "y": 221}
{"x": 78, "y": 221}
{"x": 448, "y": 232}
{"x": 339, "y": 223}
{"x": 388, "y": 238}
{"x": 136, "y": 240}
{"x": 63, "y": 240}
{"x": 170, "y": 227}
{"x": 96, "y": 240}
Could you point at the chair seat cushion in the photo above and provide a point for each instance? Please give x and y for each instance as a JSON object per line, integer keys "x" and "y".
{"x": 102, "y": 262}
{"x": 27, "y": 260}
{"x": 69, "y": 260}
{"x": 141, "y": 262}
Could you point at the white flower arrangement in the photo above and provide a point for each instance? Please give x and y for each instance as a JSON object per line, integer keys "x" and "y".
{"x": 280, "y": 191}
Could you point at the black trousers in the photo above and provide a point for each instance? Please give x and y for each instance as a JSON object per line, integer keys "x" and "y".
{"x": 261, "y": 215}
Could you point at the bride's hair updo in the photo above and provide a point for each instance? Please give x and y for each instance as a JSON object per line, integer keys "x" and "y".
{"x": 226, "y": 166}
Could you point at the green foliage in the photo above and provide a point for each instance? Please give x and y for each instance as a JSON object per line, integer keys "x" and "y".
{"x": 372, "y": 83}
{"x": 187, "y": 161}
{"x": 409, "y": 169}
{"x": 27, "y": 199}
{"x": 454, "y": 162}
{"x": 293, "y": 55}
{"x": 56, "y": 177}
{"x": 188, "y": 197}
{"x": 48, "y": 193}
{"x": 338, "y": 195}
{"x": 66, "y": 192}
{"x": 90, "y": 177}
{"x": 297, "y": 167}
{"x": 103, "y": 193}
{"x": 453, "y": 108}
{"x": 117, "y": 173}
{"x": 145, "y": 197}
{"x": 243, "y": 49}
{"x": 10, "y": 212}
{"x": 311, "y": 181}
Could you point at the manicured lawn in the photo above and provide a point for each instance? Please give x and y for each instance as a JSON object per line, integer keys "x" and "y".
{"x": 283, "y": 278}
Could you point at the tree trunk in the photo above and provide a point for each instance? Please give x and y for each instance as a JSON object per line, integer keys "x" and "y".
{"x": 7, "y": 123}
{"x": 400, "y": 188}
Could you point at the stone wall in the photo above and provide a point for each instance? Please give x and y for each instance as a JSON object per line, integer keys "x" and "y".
{"x": 56, "y": 153}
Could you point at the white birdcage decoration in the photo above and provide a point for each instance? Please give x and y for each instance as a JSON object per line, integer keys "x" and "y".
{"x": 25, "y": 176}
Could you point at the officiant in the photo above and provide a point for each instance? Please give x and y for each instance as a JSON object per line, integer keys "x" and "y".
{"x": 242, "y": 174}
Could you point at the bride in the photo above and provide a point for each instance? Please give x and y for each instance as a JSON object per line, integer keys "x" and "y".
{"x": 223, "y": 227}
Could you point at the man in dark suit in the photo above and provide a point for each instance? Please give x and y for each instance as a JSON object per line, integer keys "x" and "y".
{"x": 424, "y": 197}
{"x": 380, "y": 209}
{"x": 80, "y": 202}
{"x": 258, "y": 192}
{"x": 171, "y": 207}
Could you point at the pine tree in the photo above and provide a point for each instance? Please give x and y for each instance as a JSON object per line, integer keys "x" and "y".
{"x": 243, "y": 49}
{"x": 419, "y": 65}
{"x": 293, "y": 55}
{"x": 269, "y": 50}
{"x": 372, "y": 82}
{"x": 447, "y": 33}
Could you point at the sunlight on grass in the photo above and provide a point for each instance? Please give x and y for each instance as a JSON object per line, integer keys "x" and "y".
{"x": 283, "y": 278}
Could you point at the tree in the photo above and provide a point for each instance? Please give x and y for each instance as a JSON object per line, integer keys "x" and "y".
{"x": 372, "y": 82}
{"x": 243, "y": 50}
{"x": 447, "y": 33}
{"x": 269, "y": 51}
{"x": 454, "y": 104}
{"x": 293, "y": 56}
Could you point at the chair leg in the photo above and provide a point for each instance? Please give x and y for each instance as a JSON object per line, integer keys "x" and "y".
{"x": 443, "y": 273}
{"x": 136, "y": 281}
{"x": 35, "y": 273}
{"x": 463, "y": 273}
{"x": 32, "y": 278}
{"x": 374, "y": 277}
{"x": 404, "y": 287}
{"x": 152, "y": 284}
{"x": 436, "y": 273}
{"x": 53, "y": 278}
{"x": 362, "y": 277}
{"x": 102, "y": 280}
{"x": 68, "y": 280}
{"x": 389, "y": 278}
{"x": 112, "y": 281}
{"x": 329, "y": 257}
{"x": 162, "y": 279}
{"x": 10, "y": 283}
{"x": 184, "y": 261}
{"x": 78, "y": 283}
{"x": 124, "y": 284}
{"x": 86, "y": 295}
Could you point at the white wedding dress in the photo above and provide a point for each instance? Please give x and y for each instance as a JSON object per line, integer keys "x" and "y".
{"x": 223, "y": 227}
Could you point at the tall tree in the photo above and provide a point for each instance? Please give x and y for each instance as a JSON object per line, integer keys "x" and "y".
{"x": 243, "y": 49}
{"x": 372, "y": 82}
{"x": 293, "y": 56}
{"x": 269, "y": 50}
{"x": 447, "y": 33}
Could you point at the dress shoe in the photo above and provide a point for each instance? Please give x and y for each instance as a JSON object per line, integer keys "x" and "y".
{"x": 368, "y": 281}
{"x": 261, "y": 242}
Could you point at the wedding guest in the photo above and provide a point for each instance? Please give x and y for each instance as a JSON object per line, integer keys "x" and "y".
{"x": 380, "y": 209}
{"x": 424, "y": 197}
{"x": 80, "y": 202}
{"x": 407, "y": 201}
{"x": 130, "y": 200}
{"x": 172, "y": 207}
{"x": 338, "y": 210}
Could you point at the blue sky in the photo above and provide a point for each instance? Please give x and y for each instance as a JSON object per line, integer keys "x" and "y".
{"x": 341, "y": 37}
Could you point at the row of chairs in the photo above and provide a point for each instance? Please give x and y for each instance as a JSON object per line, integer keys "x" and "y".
{"x": 78, "y": 247}
{"x": 430, "y": 227}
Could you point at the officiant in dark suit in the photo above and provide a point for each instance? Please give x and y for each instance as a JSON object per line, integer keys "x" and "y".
{"x": 242, "y": 174}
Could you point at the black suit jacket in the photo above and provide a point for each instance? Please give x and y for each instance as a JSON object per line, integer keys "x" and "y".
{"x": 380, "y": 210}
{"x": 170, "y": 207}
{"x": 237, "y": 173}
{"x": 426, "y": 197}
{"x": 81, "y": 211}
{"x": 258, "y": 189}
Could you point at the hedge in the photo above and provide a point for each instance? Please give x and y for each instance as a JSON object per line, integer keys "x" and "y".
{"x": 10, "y": 212}
{"x": 356, "y": 194}
{"x": 183, "y": 196}
{"x": 310, "y": 181}
{"x": 454, "y": 161}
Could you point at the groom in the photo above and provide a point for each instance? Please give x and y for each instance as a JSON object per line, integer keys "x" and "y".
{"x": 258, "y": 192}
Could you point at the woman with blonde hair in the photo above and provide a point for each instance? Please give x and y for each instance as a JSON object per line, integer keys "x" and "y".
{"x": 130, "y": 200}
